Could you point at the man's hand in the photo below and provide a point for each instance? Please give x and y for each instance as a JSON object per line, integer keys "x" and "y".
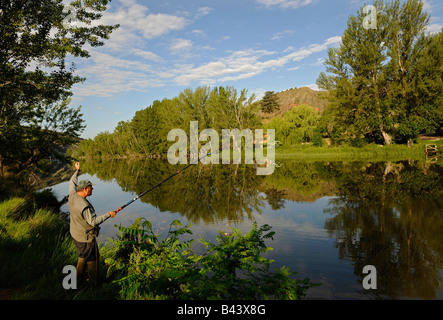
{"x": 112, "y": 213}
{"x": 77, "y": 166}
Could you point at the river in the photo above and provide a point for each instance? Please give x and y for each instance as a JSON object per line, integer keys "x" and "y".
{"x": 331, "y": 218}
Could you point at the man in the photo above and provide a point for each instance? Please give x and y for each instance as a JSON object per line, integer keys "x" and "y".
{"x": 84, "y": 225}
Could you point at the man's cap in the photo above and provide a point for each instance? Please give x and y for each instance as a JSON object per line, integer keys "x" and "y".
{"x": 84, "y": 183}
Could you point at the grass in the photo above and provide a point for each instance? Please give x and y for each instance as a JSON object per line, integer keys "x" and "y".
{"x": 367, "y": 152}
{"x": 33, "y": 242}
{"x": 35, "y": 245}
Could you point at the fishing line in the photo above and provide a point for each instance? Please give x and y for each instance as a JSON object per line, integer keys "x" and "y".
{"x": 160, "y": 183}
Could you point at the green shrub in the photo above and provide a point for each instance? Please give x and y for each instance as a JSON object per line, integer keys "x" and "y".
{"x": 147, "y": 267}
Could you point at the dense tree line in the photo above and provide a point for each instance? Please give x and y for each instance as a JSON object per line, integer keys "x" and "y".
{"x": 146, "y": 133}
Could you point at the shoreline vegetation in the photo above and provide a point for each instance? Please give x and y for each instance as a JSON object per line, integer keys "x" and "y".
{"x": 367, "y": 152}
{"x": 309, "y": 152}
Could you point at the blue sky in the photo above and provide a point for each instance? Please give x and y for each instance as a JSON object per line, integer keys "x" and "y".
{"x": 164, "y": 47}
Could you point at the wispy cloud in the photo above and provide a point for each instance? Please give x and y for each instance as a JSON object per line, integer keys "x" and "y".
{"x": 427, "y": 5}
{"x": 146, "y": 54}
{"x": 180, "y": 45}
{"x": 285, "y": 4}
{"x": 246, "y": 63}
{"x": 279, "y": 35}
{"x": 109, "y": 75}
{"x": 203, "y": 12}
{"x": 136, "y": 62}
{"x": 434, "y": 28}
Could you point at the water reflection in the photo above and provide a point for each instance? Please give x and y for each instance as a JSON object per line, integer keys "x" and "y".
{"x": 201, "y": 194}
{"x": 389, "y": 215}
{"x": 384, "y": 214}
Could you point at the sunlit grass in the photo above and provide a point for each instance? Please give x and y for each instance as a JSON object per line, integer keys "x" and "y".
{"x": 367, "y": 152}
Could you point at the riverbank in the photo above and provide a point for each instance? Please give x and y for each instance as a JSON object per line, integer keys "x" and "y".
{"x": 35, "y": 245}
{"x": 308, "y": 152}
{"x": 372, "y": 152}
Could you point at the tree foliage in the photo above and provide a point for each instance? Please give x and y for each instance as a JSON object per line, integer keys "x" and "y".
{"x": 386, "y": 83}
{"x": 35, "y": 75}
{"x": 269, "y": 102}
{"x": 296, "y": 126}
{"x": 146, "y": 134}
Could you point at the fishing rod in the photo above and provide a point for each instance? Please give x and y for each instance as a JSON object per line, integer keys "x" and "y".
{"x": 160, "y": 183}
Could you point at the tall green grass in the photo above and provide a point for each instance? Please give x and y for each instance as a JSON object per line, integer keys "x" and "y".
{"x": 34, "y": 246}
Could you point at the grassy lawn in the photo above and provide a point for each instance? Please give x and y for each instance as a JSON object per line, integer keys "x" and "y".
{"x": 368, "y": 152}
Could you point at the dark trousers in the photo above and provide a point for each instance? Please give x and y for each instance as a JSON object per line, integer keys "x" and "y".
{"x": 87, "y": 250}
{"x": 87, "y": 253}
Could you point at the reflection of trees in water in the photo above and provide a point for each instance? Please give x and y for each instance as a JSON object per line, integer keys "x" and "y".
{"x": 389, "y": 215}
{"x": 201, "y": 193}
{"x": 384, "y": 214}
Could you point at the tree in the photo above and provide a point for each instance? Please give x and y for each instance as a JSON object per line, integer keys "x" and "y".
{"x": 35, "y": 41}
{"x": 269, "y": 103}
{"x": 148, "y": 131}
{"x": 296, "y": 126}
{"x": 47, "y": 135}
{"x": 376, "y": 74}
{"x": 427, "y": 86}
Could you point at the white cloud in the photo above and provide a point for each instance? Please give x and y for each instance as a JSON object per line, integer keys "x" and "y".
{"x": 285, "y": 4}
{"x": 245, "y": 64}
{"x": 319, "y": 62}
{"x": 108, "y": 75}
{"x": 180, "y": 45}
{"x": 155, "y": 25}
{"x": 434, "y": 28}
{"x": 279, "y": 35}
{"x": 313, "y": 87}
{"x": 200, "y": 33}
{"x": 146, "y": 55}
{"x": 203, "y": 12}
{"x": 427, "y": 6}
{"x": 134, "y": 17}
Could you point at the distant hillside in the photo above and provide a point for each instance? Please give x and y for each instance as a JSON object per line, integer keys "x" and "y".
{"x": 290, "y": 98}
